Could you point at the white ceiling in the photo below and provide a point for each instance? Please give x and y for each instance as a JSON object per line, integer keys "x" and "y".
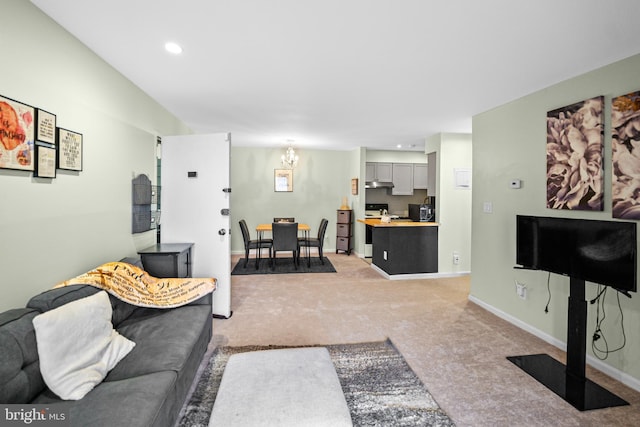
{"x": 339, "y": 74}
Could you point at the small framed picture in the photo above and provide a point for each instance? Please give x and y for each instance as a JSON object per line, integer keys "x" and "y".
{"x": 283, "y": 180}
{"x": 69, "y": 150}
{"x": 45, "y": 127}
{"x": 45, "y": 166}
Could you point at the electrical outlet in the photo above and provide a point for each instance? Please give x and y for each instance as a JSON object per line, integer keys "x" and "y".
{"x": 521, "y": 290}
{"x": 456, "y": 258}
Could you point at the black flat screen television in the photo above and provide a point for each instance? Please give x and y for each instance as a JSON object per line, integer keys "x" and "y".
{"x": 602, "y": 252}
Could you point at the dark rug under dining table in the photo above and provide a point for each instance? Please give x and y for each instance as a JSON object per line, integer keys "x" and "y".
{"x": 283, "y": 266}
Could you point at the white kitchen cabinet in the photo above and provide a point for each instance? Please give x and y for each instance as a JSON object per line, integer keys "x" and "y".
{"x": 402, "y": 179}
{"x": 370, "y": 174}
{"x": 420, "y": 176}
{"x": 377, "y": 171}
{"x": 384, "y": 172}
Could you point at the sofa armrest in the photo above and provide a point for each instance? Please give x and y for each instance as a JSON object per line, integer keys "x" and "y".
{"x": 205, "y": 300}
{"x": 20, "y": 378}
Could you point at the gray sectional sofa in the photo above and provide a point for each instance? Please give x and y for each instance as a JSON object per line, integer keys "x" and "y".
{"x": 146, "y": 388}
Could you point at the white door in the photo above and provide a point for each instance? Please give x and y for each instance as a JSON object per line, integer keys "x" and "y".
{"x": 195, "y": 182}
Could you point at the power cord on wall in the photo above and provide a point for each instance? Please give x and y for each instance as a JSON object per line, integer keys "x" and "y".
{"x": 598, "y": 334}
{"x": 546, "y": 308}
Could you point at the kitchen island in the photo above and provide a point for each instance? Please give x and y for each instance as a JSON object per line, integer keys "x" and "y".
{"x": 404, "y": 247}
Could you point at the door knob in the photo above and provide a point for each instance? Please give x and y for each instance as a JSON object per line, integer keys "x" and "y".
{"x": 222, "y": 232}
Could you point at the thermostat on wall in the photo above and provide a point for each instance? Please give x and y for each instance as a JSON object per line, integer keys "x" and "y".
{"x": 515, "y": 183}
{"x": 192, "y": 174}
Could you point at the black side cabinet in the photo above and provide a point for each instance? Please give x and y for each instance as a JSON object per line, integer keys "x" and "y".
{"x": 167, "y": 259}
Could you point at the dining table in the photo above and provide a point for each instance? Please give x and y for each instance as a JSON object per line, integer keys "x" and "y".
{"x": 266, "y": 228}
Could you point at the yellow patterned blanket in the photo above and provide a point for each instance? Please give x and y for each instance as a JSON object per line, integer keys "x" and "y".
{"x": 135, "y": 286}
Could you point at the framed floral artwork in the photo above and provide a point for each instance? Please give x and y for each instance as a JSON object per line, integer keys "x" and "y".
{"x": 625, "y": 156}
{"x": 575, "y": 174}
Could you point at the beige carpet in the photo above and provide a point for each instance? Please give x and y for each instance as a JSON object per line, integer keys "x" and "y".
{"x": 456, "y": 348}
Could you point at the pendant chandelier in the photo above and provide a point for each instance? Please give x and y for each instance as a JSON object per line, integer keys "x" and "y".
{"x": 290, "y": 158}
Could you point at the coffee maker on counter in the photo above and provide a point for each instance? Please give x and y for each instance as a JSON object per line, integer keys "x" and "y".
{"x": 424, "y": 212}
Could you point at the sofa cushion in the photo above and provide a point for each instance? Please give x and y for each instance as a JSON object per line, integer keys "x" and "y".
{"x": 57, "y": 297}
{"x": 20, "y": 379}
{"x": 139, "y": 401}
{"x": 164, "y": 339}
{"x": 77, "y": 345}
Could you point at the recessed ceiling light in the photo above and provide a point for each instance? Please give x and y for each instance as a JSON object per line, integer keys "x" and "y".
{"x": 174, "y": 48}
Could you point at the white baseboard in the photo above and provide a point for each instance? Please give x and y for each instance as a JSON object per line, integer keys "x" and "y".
{"x": 418, "y": 275}
{"x": 596, "y": 363}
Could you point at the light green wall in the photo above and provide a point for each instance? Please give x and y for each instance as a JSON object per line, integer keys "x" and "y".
{"x": 396, "y": 156}
{"x": 452, "y": 151}
{"x": 509, "y": 142}
{"x": 55, "y": 229}
{"x": 320, "y": 181}
{"x": 358, "y": 159}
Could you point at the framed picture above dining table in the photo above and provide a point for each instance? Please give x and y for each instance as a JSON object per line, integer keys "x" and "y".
{"x": 283, "y": 180}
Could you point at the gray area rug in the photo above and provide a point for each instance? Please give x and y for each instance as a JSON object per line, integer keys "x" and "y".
{"x": 378, "y": 384}
{"x": 283, "y": 266}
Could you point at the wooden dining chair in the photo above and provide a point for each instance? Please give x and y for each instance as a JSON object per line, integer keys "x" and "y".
{"x": 315, "y": 242}
{"x": 253, "y": 244}
{"x": 285, "y": 238}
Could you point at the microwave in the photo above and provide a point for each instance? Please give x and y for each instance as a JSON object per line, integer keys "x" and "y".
{"x": 422, "y": 213}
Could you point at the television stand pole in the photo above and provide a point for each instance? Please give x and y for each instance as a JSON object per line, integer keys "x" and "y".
{"x": 570, "y": 382}
{"x": 576, "y": 329}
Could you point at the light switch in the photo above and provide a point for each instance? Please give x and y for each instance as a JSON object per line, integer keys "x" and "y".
{"x": 487, "y": 207}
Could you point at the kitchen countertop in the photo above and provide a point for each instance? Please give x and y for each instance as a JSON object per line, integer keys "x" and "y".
{"x": 377, "y": 223}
